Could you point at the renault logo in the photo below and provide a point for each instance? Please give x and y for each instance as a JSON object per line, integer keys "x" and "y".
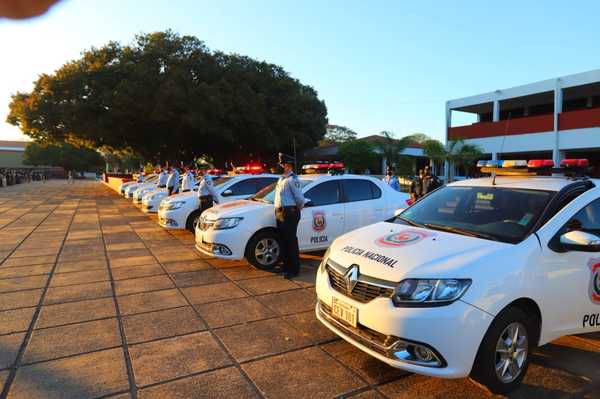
{"x": 351, "y": 278}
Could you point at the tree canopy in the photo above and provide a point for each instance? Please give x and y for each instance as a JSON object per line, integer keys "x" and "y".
{"x": 357, "y": 155}
{"x": 65, "y": 155}
{"x": 169, "y": 97}
{"x": 456, "y": 153}
{"x": 338, "y": 134}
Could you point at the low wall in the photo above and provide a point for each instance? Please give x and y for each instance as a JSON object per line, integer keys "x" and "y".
{"x": 115, "y": 182}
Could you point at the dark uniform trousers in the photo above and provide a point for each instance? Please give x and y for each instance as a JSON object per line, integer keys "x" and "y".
{"x": 206, "y": 201}
{"x": 287, "y": 225}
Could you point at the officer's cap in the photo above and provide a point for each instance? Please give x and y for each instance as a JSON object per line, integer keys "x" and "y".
{"x": 283, "y": 158}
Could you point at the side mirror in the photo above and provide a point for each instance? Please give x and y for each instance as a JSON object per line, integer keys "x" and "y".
{"x": 398, "y": 211}
{"x": 227, "y": 193}
{"x": 578, "y": 240}
{"x": 308, "y": 203}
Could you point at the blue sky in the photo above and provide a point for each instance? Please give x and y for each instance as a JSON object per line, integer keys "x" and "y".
{"x": 379, "y": 65}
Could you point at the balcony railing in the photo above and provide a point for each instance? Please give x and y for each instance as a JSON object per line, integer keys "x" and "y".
{"x": 585, "y": 118}
{"x": 529, "y": 124}
{"x": 579, "y": 119}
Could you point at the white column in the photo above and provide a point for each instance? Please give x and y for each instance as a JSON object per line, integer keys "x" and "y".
{"x": 448, "y": 125}
{"x": 383, "y": 165}
{"x": 496, "y": 112}
{"x": 494, "y": 156}
{"x": 558, "y": 101}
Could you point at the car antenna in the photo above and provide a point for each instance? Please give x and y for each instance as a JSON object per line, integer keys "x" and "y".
{"x": 502, "y": 145}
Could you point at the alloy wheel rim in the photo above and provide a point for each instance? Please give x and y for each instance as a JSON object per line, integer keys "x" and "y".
{"x": 511, "y": 352}
{"x": 267, "y": 251}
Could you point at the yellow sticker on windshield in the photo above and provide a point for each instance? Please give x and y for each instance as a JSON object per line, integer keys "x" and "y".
{"x": 485, "y": 196}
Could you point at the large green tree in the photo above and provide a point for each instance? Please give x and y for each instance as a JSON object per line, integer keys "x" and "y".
{"x": 65, "y": 155}
{"x": 168, "y": 97}
{"x": 358, "y": 155}
{"x": 456, "y": 153}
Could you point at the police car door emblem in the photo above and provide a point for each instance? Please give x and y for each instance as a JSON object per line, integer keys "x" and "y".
{"x": 595, "y": 283}
{"x": 319, "y": 221}
{"x": 351, "y": 278}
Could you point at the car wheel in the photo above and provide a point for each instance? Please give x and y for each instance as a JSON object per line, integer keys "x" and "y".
{"x": 192, "y": 220}
{"x": 503, "y": 357}
{"x": 263, "y": 250}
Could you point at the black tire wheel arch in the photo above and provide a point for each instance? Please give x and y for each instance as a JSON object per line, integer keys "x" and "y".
{"x": 189, "y": 223}
{"x": 258, "y": 237}
{"x": 483, "y": 372}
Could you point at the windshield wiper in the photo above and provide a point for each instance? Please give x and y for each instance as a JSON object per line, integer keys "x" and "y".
{"x": 458, "y": 230}
{"x": 408, "y": 221}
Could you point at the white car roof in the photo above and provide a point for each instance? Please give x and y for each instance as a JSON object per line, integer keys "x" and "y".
{"x": 316, "y": 177}
{"x": 546, "y": 183}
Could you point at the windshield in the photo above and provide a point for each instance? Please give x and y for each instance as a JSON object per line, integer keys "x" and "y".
{"x": 500, "y": 214}
{"x": 267, "y": 194}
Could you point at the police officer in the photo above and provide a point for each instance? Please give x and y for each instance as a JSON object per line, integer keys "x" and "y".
{"x": 187, "y": 183}
{"x": 288, "y": 203}
{"x": 162, "y": 178}
{"x": 206, "y": 192}
{"x": 141, "y": 177}
{"x": 391, "y": 180}
{"x": 173, "y": 181}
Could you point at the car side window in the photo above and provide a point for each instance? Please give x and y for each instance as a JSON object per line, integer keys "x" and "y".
{"x": 357, "y": 190}
{"x": 264, "y": 182}
{"x": 326, "y": 193}
{"x": 244, "y": 187}
{"x": 587, "y": 219}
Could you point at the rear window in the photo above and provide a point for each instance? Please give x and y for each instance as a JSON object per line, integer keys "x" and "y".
{"x": 359, "y": 190}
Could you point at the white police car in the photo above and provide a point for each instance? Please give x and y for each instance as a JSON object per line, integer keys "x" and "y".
{"x": 247, "y": 228}
{"x": 151, "y": 199}
{"x": 181, "y": 211}
{"x": 472, "y": 277}
{"x": 131, "y": 188}
{"x": 132, "y": 183}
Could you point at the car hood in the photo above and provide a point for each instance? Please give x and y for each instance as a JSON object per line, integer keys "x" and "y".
{"x": 236, "y": 209}
{"x": 393, "y": 252}
{"x": 181, "y": 197}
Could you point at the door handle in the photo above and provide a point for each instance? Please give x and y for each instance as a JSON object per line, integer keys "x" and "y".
{"x": 337, "y": 214}
{"x": 379, "y": 209}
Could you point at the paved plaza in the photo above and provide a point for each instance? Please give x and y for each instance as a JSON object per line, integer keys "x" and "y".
{"x": 97, "y": 300}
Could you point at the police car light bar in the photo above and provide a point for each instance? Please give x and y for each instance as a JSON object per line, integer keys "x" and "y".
{"x": 540, "y": 164}
{"x": 530, "y": 168}
{"x": 574, "y": 163}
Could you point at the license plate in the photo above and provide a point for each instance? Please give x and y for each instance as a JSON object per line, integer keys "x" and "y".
{"x": 344, "y": 312}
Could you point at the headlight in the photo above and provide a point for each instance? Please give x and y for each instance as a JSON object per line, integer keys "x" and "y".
{"x": 157, "y": 196}
{"x": 322, "y": 267}
{"x": 226, "y": 223}
{"x": 429, "y": 292}
{"x": 169, "y": 206}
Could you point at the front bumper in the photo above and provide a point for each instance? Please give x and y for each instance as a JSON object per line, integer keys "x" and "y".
{"x": 173, "y": 219}
{"x": 150, "y": 206}
{"x": 453, "y": 332}
{"x": 234, "y": 240}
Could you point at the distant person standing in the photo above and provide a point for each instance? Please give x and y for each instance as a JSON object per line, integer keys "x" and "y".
{"x": 162, "y": 178}
{"x": 173, "y": 181}
{"x": 70, "y": 177}
{"x": 207, "y": 194}
{"x": 141, "y": 177}
{"x": 288, "y": 204}
{"x": 391, "y": 180}
{"x": 188, "y": 181}
{"x": 416, "y": 186}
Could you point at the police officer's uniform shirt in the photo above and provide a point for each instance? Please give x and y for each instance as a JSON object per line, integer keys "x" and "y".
{"x": 162, "y": 179}
{"x": 207, "y": 187}
{"x": 392, "y": 181}
{"x": 188, "y": 181}
{"x": 173, "y": 180}
{"x": 288, "y": 192}
{"x": 141, "y": 179}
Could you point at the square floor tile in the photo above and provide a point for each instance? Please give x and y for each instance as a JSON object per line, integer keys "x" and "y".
{"x": 268, "y": 285}
{"x": 260, "y": 338}
{"x": 76, "y": 312}
{"x": 123, "y": 273}
{"x": 92, "y": 264}
{"x": 143, "y": 284}
{"x": 12, "y": 321}
{"x": 132, "y": 261}
{"x": 88, "y": 276}
{"x": 176, "y": 357}
{"x": 85, "y": 376}
{"x": 54, "y": 342}
{"x": 29, "y": 260}
{"x": 186, "y": 266}
{"x": 235, "y": 311}
{"x": 201, "y": 277}
{"x": 78, "y": 292}
{"x": 245, "y": 273}
{"x": 310, "y": 327}
{"x": 161, "y": 324}
{"x": 23, "y": 283}
{"x": 24, "y": 271}
{"x": 149, "y": 301}
{"x": 213, "y": 293}
{"x": 289, "y": 302}
{"x": 20, "y": 299}
{"x": 307, "y": 373}
{"x": 219, "y": 384}
{"x": 10, "y": 345}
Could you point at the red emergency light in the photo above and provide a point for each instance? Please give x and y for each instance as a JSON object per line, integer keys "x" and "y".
{"x": 574, "y": 163}
{"x": 540, "y": 163}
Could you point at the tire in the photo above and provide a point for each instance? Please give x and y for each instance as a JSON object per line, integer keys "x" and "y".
{"x": 256, "y": 245}
{"x": 513, "y": 361}
{"x": 190, "y": 223}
